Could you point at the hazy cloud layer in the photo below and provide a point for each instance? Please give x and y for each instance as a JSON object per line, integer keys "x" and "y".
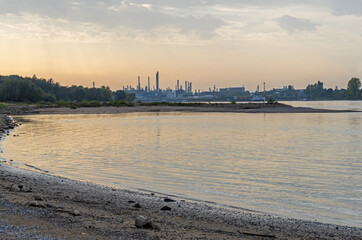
{"x": 347, "y": 7}
{"x": 169, "y": 20}
{"x": 113, "y": 14}
{"x": 291, "y": 24}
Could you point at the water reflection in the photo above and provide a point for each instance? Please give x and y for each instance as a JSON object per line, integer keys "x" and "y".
{"x": 297, "y": 165}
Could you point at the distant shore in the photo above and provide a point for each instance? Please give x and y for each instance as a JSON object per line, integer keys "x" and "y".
{"x": 164, "y": 107}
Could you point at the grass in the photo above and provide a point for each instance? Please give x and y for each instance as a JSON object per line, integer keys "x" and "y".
{"x": 115, "y": 103}
{"x": 3, "y": 105}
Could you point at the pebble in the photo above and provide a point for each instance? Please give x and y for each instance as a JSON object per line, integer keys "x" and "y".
{"x": 38, "y": 198}
{"x": 166, "y": 208}
{"x": 25, "y": 188}
{"x": 143, "y": 222}
{"x": 14, "y": 188}
{"x": 169, "y": 200}
{"x": 75, "y": 213}
{"x": 137, "y": 205}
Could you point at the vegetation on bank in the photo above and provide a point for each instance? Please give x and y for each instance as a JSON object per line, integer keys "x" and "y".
{"x": 85, "y": 103}
{"x": 15, "y": 88}
{"x": 318, "y": 92}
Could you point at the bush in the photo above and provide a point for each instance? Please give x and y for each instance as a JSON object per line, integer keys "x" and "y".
{"x": 121, "y": 103}
{"x": 271, "y": 101}
{"x": 63, "y": 103}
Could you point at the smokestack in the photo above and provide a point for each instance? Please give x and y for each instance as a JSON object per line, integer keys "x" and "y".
{"x": 157, "y": 81}
{"x": 178, "y": 84}
{"x": 185, "y": 86}
{"x": 149, "y": 88}
{"x": 139, "y": 83}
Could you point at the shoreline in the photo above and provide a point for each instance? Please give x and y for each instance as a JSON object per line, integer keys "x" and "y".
{"x": 160, "y": 107}
{"x": 39, "y": 205}
{"x": 57, "y": 207}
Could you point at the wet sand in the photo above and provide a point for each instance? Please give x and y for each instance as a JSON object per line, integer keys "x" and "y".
{"x": 37, "y": 205}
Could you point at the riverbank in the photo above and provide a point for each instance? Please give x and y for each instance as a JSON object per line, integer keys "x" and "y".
{"x": 6, "y": 124}
{"x": 190, "y": 107}
{"x": 37, "y": 205}
{"x": 167, "y": 107}
{"x": 34, "y": 204}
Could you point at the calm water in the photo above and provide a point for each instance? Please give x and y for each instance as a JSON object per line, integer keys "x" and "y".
{"x": 306, "y": 166}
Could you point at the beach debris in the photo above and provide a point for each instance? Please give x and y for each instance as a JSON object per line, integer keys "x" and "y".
{"x": 257, "y": 235}
{"x": 36, "y": 204}
{"x": 144, "y": 222}
{"x": 41, "y": 170}
{"x": 169, "y": 200}
{"x": 51, "y": 206}
{"x": 72, "y": 212}
{"x": 166, "y": 208}
{"x": 137, "y": 205}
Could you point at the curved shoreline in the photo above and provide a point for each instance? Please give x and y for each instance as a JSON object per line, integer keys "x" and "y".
{"x": 104, "y": 212}
{"x": 81, "y": 210}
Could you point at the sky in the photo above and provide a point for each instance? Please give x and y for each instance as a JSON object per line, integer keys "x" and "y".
{"x": 228, "y": 43}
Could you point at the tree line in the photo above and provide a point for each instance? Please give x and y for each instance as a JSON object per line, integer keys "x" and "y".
{"x": 316, "y": 91}
{"x": 15, "y": 88}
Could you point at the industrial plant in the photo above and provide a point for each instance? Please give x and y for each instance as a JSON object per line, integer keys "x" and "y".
{"x": 186, "y": 93}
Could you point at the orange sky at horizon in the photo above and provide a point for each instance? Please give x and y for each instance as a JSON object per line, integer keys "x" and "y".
{"x": 294, "y": 44}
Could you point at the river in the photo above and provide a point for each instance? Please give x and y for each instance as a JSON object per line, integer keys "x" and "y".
{"x": 300, "y": 165}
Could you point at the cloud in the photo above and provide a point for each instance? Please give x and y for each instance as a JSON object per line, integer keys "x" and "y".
{"x": 170, "y": 19}
{"x": 291, "y": 24}
{"x": 113, "y": 14}
{"x": 346, "y": 7}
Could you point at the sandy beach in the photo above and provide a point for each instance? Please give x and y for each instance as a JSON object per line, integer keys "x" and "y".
{"x": 37, "y": 205}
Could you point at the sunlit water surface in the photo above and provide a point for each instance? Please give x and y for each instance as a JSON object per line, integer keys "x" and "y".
{"x": 306, "y": 166}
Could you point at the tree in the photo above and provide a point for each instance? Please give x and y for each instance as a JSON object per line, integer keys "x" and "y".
{"x": 120, "y": 95}
{"x": 315, "y": 91}
{"x": 353, "y": 88}
{"x": 131, "y": 97}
